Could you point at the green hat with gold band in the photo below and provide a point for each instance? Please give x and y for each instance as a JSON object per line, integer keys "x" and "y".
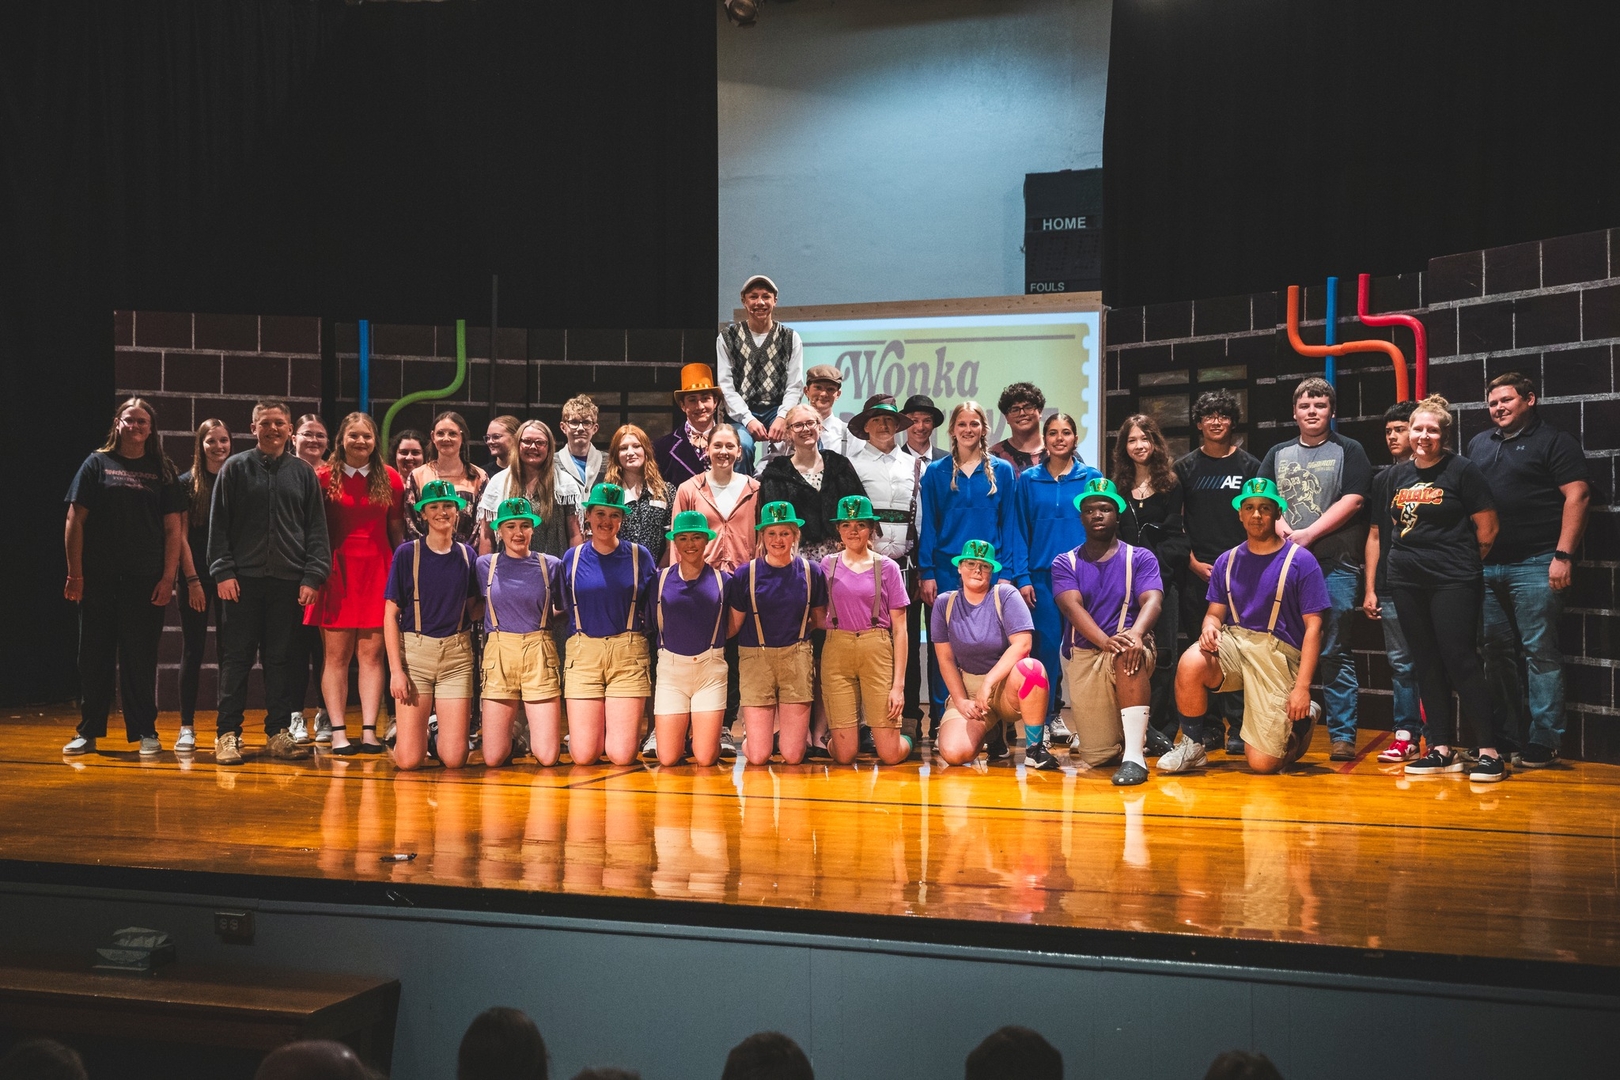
{"x": 437, "y": 491}
{"x": 855, "y": 508}
{"x": 778, "y": 513}
{"x": 1260, "y": 487}
{"x": 980, "y": 550}
{"x": 1100, "y": 488}
{"x": 515, "y": 509}
{"x": 609, "y": 496}
{"x": 690, "y": 521}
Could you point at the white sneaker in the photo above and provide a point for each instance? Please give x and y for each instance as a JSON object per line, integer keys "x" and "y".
{"x": 1185, "y": 756}
{"x": 1057, "y": 729}
{"x": 649, "y": 745}
{"x": 187, "y": 742}
{"x": 80, "y": 745}
{"x": 150, "y": 747}
{"x": 298, "y": 729}
{"x": 323, "y": 727}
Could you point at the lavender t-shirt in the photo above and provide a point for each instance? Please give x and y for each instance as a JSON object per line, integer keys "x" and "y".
{"x": 781, "y": 600}
{"x": 976, "y": 636}
{"x": 1254, "y": 589}
{"x": 1101, "y": 586}
{"x": 523, "y": 589}
{"x": 851, "y": 593}
{"x": 694, "y": 611}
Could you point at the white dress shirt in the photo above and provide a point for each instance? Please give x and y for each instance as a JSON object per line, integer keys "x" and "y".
{"x": 891, "y": 483}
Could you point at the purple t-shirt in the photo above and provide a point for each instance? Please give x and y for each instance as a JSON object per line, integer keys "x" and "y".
{"x": 694, "y": 611}
{"x": 851, "y": 596}
{"x": 524, "y": 591}
{"x": 448, "y": 581}
{"x": 604, "y": 597}
{"x": 1101, "y": 586}
{"x": 781, "y": 601}
{"x": 1254, "y": 589}
{"x": 976, "y": 636}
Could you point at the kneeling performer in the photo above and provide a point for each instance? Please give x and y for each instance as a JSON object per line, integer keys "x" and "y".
{"x": 520, "y": 658}
{"x": 982, "y": 636}
{"x": 689, "y": 611}
{"x": 1106, "y": 582}
{"x": 1262, "y": 635}
{"x": 863, "y": 666}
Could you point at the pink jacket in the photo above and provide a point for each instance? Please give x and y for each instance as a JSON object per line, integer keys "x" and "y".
{"x": 734, "y": 545}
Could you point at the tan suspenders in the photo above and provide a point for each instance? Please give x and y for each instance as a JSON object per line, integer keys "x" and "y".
{"x": 573, "y": 585}
{"x": 1282, "y": 580}
{"x": 1130, "y": 570}
{"x": 720, "y": 587}
{"x": 416, "y": 583}
{"x": 753, "y": 595}
{"x": 877, "y": 589}
{"x": 545, "y": 594}
{"x": 950, "y": 605}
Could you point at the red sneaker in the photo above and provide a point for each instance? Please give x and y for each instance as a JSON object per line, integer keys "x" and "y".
{"x": 1398, "y": 751}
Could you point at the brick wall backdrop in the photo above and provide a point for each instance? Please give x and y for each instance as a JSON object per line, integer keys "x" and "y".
{"x": 196, "y": 366}
{"x": 1550, "y": 309}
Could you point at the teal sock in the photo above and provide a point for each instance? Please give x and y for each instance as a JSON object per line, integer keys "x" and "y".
{"x": 1034, "y": 735}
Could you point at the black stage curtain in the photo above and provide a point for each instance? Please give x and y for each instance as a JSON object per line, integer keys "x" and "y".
{"x": 298, "y": 157}
{"x": 1252, "y": 143}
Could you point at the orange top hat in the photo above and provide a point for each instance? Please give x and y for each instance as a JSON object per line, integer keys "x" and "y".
{"x": 695, "y": 377}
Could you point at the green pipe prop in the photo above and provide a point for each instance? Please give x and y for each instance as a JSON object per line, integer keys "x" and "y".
{"x": 432, "y": 395}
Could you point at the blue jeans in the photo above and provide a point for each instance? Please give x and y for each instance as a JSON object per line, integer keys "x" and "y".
{"x": 1402, "y": 681}
{"x": 745, "y": 438}
{"x": 1337, "y": 668}
{"x": 1523, "y": 665}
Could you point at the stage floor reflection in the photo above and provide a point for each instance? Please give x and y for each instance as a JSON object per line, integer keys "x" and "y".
{"x": 1346, "y": 855}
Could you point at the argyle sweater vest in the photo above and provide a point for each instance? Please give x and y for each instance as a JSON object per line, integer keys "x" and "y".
{"x": 759, "y": 372}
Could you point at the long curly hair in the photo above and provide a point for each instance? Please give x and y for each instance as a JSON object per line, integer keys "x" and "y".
{"x": 651, "y": 479}
{"x": 379, "y": 491}
{"x": 1161, "y": 470}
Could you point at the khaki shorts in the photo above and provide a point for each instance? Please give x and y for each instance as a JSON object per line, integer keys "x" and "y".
{"x": 604, "y": 667}
{"x": 857, "y": 672}
{"x": 1003, "y": 707}
{"x": 439, "y": 667}
{"x": 1264, "y": 668}
{"x": 521, "y": 666}
{"x": 1088, "y": 683}
{"x": 690, "y": 684}
{"x": 770, "y": 677}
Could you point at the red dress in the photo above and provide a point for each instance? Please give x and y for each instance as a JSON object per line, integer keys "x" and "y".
{"x": 353, "y": 594}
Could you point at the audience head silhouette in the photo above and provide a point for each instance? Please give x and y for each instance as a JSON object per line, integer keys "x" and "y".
{"x": 316, "y": 1059}
{"x": 606, "y": 1072}
{"x": 1242, "y": 1065}
{"x": 1014, "y": 1053}
{"x": 41, "y": 1059}
{"x": 769, "y": 1055}
{"x": 502, "y": 1044}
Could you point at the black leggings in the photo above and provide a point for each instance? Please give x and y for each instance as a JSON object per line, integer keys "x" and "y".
{"x": 194, "y": 635}
{"x": 1442, "y": 632}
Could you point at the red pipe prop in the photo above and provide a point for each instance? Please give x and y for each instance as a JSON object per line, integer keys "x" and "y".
{"x": 1388, "y": 348}
{"x": 1420, "y": 352}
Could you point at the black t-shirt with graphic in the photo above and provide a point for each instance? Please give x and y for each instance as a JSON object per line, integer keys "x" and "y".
{"x": 127, "y": 500}
{"x": 1432, "y": 542}
{"x": 1210, "y": 484}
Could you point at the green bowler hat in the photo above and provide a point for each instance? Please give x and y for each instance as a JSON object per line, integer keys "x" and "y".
{"x": 855, "y": 508}
{"x": 435, "y": 491}
{"x": 1260, "y": 488}
{"x": 778, "y": 513}
{"x": 516, "y": 509}
{"x": 690, "y": 521}
{"x": 1100, "y": 488}
{"x": 608, "y": 495}
{"x": 982, "y": 551}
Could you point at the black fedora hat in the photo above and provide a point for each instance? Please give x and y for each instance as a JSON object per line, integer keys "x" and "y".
{"x": 923, "y": 403}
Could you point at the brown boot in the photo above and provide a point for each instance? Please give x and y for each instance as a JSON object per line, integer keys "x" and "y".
{"x": 282, "y": 747}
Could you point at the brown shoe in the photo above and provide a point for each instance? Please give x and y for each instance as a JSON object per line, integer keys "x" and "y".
{"x": 1343, "y": 750}
{"x": 228, "y": 749}
{"x": 282, "y": 747}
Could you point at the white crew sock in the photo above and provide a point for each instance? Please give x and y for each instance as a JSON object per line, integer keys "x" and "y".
{"x": 1134, "y": 719}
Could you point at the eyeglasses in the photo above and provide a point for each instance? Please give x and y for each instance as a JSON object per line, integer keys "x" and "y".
{"x": 533, "y": 444}
{"x": 578, "y": 425}
{"x": 805, "y": 425}
{"x": 1024, "y": 407}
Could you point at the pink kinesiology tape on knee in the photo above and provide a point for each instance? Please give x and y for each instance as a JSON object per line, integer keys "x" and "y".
{"x": 1034, "y": 677}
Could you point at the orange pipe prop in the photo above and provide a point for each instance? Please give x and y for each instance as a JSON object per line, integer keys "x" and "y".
{"x": 1388, "y": 348}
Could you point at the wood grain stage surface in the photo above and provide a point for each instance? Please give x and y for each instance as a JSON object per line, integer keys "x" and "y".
{"x": 1348, "y": 854}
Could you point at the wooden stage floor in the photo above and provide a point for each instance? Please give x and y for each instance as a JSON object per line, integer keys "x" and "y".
{"x": 1344, "y": 855}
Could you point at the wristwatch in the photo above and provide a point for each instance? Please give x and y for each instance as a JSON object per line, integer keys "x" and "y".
{"x": 1563, "y": 555}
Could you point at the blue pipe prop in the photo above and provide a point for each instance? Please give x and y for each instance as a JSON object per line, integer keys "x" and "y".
{"x": 364, "y": 404}
{"x": 1330, "y": 336}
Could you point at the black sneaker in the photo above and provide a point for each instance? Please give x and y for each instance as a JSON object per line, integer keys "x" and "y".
{"x": 1536, "y": 756}
{"x": 1234, "y": 744}
{"x": 868, "y": 744}
{"x": 1158, "y": 744}
{"x": 1213, "y": 740}
{"x": 1434, "y": 763}
{"x": 995, "y": 742}
{"x": 1039, "y": 757}
{"x": 1487, "y": 770}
